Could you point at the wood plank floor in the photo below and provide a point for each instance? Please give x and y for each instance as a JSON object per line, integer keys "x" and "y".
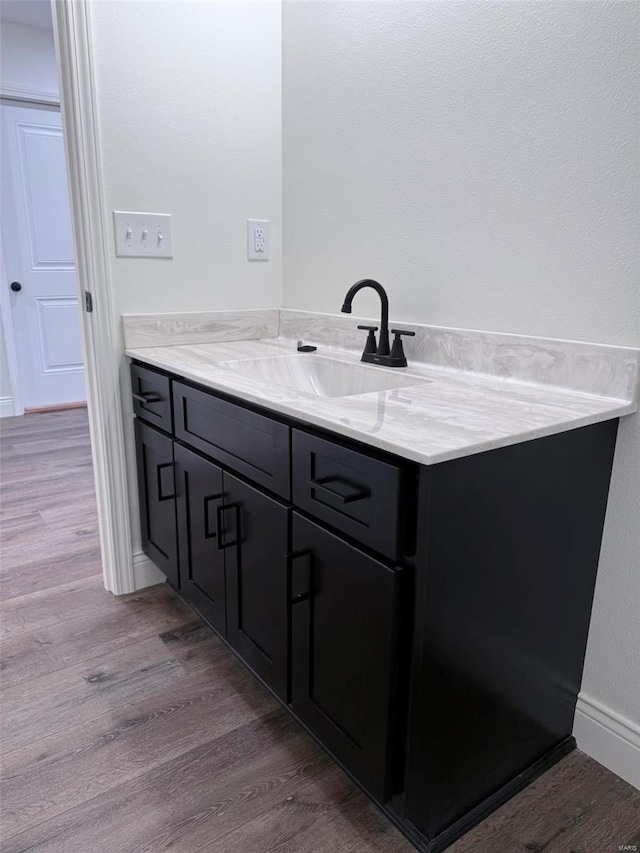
{"x": 127, "y": 726}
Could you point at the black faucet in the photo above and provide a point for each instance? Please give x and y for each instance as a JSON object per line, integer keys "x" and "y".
{"x": 379, "y": 353}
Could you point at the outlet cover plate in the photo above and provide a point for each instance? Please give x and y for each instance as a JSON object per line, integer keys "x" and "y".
{"x": 258, "y": 239}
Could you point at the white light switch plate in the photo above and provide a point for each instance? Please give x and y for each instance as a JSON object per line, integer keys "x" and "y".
{"x": 258, "y": 239}
{"x": 142, "y": 235}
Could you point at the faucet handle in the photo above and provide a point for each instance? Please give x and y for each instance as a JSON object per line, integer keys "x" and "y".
{"x": 371, "y": 346}
{"x": 397, "y": 350}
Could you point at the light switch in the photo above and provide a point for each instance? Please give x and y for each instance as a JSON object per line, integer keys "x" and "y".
{"x": 142, "y": 235}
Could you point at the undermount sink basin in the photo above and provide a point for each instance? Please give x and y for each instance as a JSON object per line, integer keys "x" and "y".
{"x": 324, "y": 377}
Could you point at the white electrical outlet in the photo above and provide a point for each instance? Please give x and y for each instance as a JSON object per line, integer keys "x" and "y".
{"x": 257, "y": 239}
{"x": 142, "y": 235}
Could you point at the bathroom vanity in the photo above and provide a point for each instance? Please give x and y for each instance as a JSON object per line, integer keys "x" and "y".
{"x": 419, "y": 602}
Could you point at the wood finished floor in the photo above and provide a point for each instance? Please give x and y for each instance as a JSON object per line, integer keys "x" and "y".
{"x": 127, "y": 726}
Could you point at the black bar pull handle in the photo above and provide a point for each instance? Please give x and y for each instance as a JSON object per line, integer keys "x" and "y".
{"x": 159, "y": 472}
{"x": 220, "y": 510}
{"x": 208, "y": 532}
{"x": 300, "y": 576}
{"x": 343, "y": 497}
{"x": 149, "y": 397}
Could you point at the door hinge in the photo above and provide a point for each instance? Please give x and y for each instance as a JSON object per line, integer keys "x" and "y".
{"x": 88, "y": 301}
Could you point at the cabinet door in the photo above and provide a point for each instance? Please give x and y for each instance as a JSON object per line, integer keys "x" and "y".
{"x": 344, "y": 606}
{"x": 202, "y": 570}
{"x": 156, "y": 487}
{"x": 255, "y": 539}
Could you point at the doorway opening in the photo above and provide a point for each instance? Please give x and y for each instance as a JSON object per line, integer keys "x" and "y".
{"x": 65, "y": 34}
{"x": 41, "y": 353}
{"x": 48, "y": 509}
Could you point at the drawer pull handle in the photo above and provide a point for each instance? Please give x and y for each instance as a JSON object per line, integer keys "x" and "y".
{"x": 159, "y": 471}
{"x": 344, "y": 498}
{"x": 220, "y": 510}
{"x": 149, "y": 397}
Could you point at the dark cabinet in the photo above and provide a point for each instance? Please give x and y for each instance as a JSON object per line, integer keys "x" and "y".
{"x": 156, "y": 488}
{"x": 344, "y": 628}
{"x": 199, "y": 493}
{"x": 255, "y": 535}
{"x": 313, "y": 616}
{"x": 395, "y": 609}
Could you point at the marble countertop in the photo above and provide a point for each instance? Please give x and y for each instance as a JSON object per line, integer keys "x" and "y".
{"x": 457, "y": 413}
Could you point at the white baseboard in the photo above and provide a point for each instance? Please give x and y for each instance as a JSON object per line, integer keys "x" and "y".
{"x": 6, "y": 407}
{"x": 145, "y": 572}
{"x": 608, "y": 737}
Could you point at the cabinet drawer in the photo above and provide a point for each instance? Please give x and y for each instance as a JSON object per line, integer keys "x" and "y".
{"x": 351, "y": 491}
{"x": 252, "y": 444}
{"x": 151, "y": 396}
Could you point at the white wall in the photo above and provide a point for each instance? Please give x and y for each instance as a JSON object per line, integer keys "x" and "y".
{"x": 27, "y": 60}
{"x": 481, "y": 161}
{"x": 475, "y": 157}
{"x": 189, "y": 102}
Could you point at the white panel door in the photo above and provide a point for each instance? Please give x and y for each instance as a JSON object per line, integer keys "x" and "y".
{"x": 39, "y": 256}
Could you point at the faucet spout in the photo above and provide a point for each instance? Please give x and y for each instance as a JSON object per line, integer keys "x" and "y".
{"x": 383, "y": 340}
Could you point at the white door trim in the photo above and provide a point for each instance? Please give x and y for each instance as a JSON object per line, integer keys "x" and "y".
{"x": 102, "y": 348}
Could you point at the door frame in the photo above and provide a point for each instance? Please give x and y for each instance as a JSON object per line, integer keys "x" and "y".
{"x": 102, "y": 343}
{"x": 14, "y": 403}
